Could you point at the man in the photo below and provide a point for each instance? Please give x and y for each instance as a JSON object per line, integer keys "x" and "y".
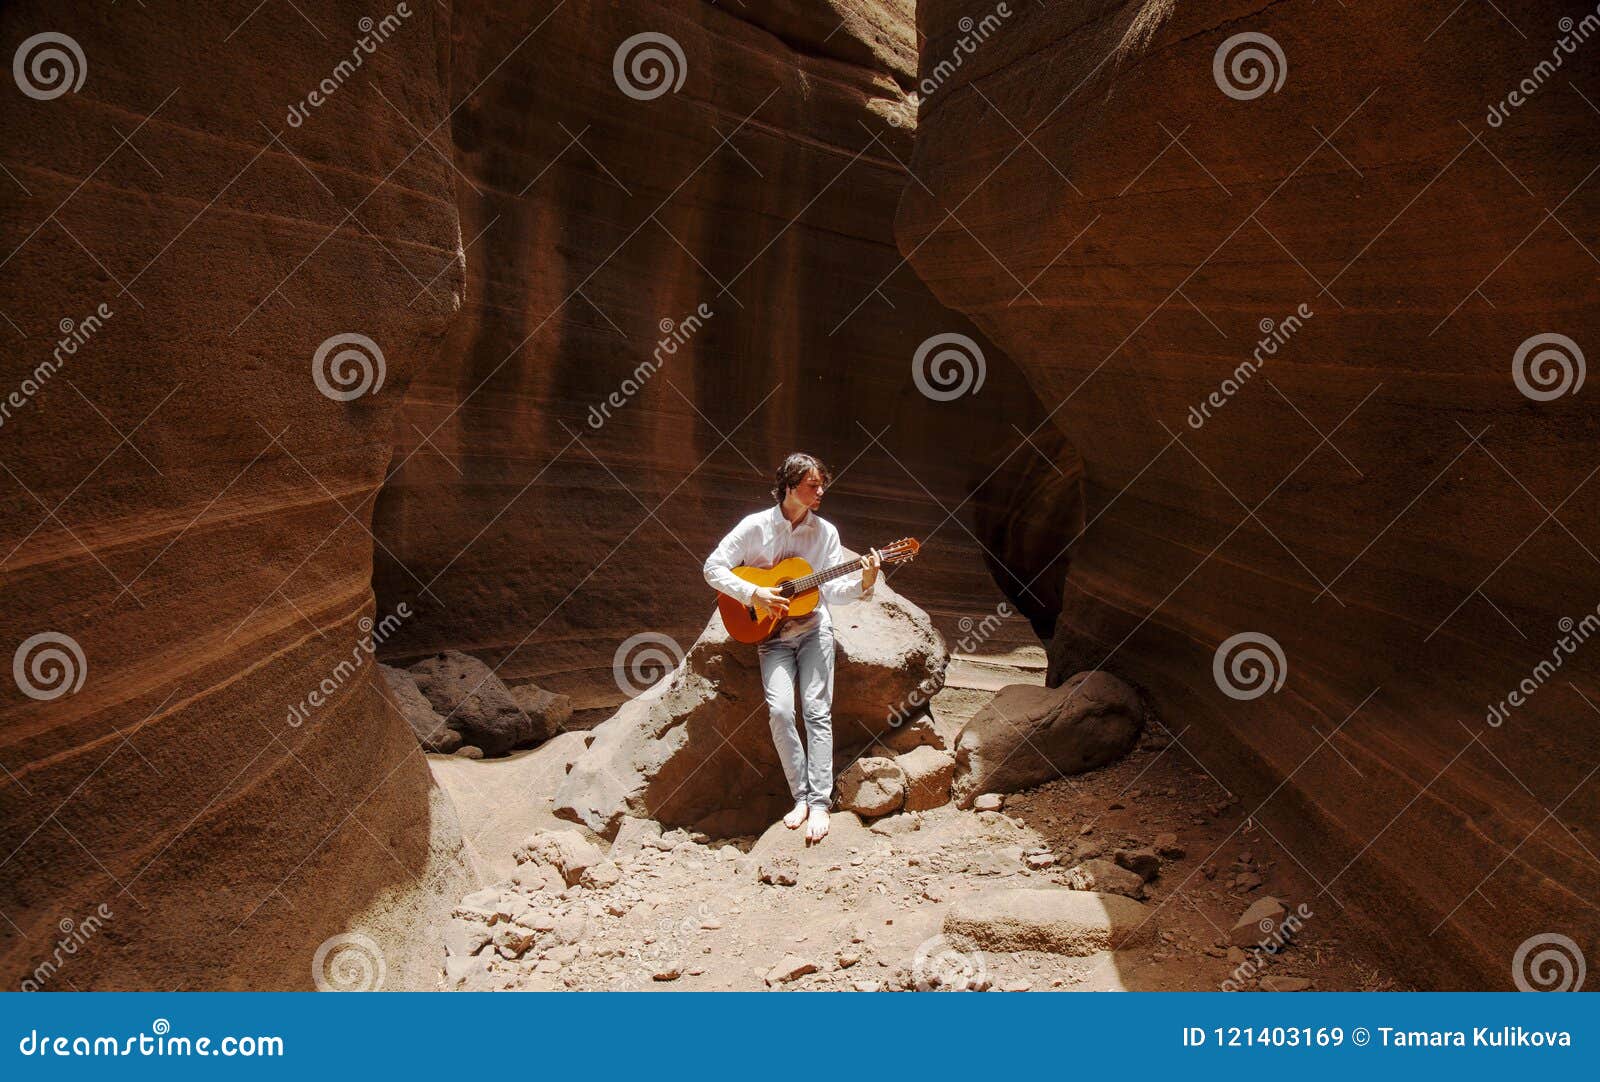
{"x": 801, "y": 653}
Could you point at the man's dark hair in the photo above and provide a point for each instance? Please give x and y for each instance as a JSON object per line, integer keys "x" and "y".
{"x": 794, "y": 470}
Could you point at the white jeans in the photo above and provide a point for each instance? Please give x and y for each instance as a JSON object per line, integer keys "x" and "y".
{"x": 805, "y": 662}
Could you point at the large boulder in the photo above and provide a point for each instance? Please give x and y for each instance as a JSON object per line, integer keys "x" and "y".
{"x": 548, "y": 710}
{"x": 430, "y": 728}
{"x": 1028, "y": 735}
{"x": 477, "y": 705}
{"x": 698, "y": 740}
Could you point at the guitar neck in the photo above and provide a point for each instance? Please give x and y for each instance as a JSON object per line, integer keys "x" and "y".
{"x": 817, "y": 578}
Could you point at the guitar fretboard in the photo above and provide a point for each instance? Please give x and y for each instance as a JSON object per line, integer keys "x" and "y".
{"x": 817, "y": 578}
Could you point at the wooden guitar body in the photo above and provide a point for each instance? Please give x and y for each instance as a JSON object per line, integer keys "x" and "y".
{"x": 752, "y": 623}
{"x": 798, "y": 582}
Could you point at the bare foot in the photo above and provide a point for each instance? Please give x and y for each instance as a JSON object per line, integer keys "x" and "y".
{"x": 795, "y": 816}
{"x": 816, "y": 825}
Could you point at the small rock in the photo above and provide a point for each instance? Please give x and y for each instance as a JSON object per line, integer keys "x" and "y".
{"x": 567, "y": 851}
{"x": 872, "y": 787}
{"x": 602, "y": 875}
{"x": 1040, "y": 860}
{"x": 928, "y": 773}
{"x": 780, "y": 871}
{"x": 463, "y": 938}
{"x": 668, "y": 973}
{"x": 1284, "y": 984}
{"x": 1142, "y": 862}
{"x": 1102, "y": 875}
{"x": 469, "y": 751}
{"x": 992, "y": 802}
{"x": 865, "y": 986}
{"x": 1260, "y": 922}
{"x": 1167, "y": 845}
{"x": 848, "y": 959}
{"x": 790, "y": 967}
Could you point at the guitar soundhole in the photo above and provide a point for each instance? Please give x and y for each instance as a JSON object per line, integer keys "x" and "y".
{"x": 751, "y": 609}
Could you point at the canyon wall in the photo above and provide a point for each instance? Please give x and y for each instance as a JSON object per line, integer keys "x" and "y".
{"x": 1288, "y": 293}
{"x": 202, "y": 783}
{"x": 681, "y": 266}
{"x": 255, "y": 232}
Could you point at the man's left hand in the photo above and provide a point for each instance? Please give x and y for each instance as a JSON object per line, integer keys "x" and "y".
{"x": 869, "y": 568}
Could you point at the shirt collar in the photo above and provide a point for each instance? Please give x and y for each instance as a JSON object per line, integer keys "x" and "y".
{"x": 783, "y": 522}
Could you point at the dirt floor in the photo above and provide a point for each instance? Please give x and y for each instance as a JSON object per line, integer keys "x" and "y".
{"x": 866, "y": 906}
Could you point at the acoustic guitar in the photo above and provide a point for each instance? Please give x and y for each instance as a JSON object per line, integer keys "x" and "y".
{"x": 794, "y": 579}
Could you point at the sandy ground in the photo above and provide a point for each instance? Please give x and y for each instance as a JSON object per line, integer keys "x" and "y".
{"x": 867, "y": 905}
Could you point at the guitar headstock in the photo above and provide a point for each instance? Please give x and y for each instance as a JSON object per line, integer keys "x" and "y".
{"x": 902, "y": 551}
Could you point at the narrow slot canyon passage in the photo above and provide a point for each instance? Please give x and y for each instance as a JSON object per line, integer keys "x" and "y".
{"x": 1194, "y": 481}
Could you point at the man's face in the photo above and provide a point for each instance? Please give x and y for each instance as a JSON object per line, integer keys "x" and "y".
{"x": 809, "y": 490}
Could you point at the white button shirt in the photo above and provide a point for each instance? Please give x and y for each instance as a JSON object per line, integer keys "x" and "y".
{"x": 766, "y": 537}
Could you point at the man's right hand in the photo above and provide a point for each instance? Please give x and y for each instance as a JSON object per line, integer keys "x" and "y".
{"x": 771, "y": 601}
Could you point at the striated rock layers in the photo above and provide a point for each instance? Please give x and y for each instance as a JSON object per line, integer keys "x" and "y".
{"x": 210, "y": 759}
{"x": 1288, "y": 306}
{"x": 668, "y": 290}
{"x": 274, "y": 255}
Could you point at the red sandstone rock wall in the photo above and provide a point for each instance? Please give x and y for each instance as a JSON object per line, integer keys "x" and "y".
{"x": 1416, "y": 566}
{"x": 535, "y": 524}
{"x": 214, "y": 568}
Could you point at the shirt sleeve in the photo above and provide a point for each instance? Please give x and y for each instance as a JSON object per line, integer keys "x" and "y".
{"x": 729, "y": 554}
{"x": 845, "y": 589}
